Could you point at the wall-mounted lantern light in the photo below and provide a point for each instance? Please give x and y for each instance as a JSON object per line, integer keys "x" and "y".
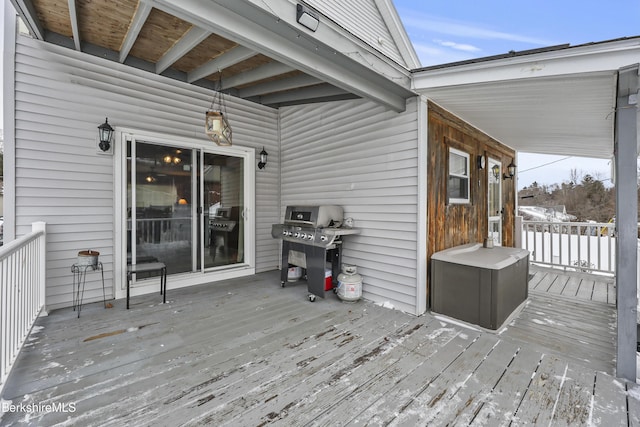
{"x": 511, "y": 171}
{"x": 480, "y": 160}
{"x": 105, "y": 131}
{"x": 263, "y": 159}
{"x": 495, "y": 170}
{"x": 307, "y": 18}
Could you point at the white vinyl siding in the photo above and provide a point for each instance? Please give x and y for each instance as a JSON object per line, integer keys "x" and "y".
{"x": 61, "y": 96}
{"x": 362, "y": 19}
{"x": 363, "y": 157}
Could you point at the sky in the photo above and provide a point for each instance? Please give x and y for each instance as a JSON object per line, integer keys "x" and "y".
{"x": 449, "y": 31}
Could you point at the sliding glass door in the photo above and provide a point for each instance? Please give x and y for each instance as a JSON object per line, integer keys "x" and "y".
{"x": 185, "y": 206}
{"x": 224, "y": 209}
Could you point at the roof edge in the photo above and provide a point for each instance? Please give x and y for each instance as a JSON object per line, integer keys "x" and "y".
{"x": 522, "y": 53}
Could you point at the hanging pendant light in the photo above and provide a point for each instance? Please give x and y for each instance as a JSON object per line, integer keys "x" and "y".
{"x": 216, "y": 123}
{"x": 217, "y": 127}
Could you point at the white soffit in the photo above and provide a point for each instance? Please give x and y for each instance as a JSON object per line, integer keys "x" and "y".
{"x": 559, "y": 101}
{"x": 569, "y": 115}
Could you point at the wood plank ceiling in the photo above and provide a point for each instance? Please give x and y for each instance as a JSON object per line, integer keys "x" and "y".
{"x": 136, "y": 33}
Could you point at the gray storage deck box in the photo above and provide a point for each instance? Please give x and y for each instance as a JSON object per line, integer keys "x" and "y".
{"x": 479, "y": 285}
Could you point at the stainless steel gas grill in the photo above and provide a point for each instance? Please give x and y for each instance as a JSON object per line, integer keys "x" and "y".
{"x": 223, "y": 225}
{"x": 311, "y": 238}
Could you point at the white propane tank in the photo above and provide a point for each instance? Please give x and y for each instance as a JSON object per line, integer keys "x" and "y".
{"x": 294, "y": 274}
{"x": 349, "y": 284}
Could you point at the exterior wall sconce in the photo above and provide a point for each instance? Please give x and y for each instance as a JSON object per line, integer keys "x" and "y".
{"x": 307, "y": 18}
{"x": 511, "y": 171}
{"x": 263, "y": 159}
{"x": 105, "y": 131}
{"x": 495, "y": 170}
{"x": 480, "y": 160}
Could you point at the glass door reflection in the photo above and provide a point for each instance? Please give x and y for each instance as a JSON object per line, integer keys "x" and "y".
{"x": 159, "y": 206}
{"x": 222, "y": 192}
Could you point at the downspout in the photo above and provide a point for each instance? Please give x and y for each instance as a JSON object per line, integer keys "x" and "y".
{"x": 423, "y": 222}
{"x": 9, "y": 120}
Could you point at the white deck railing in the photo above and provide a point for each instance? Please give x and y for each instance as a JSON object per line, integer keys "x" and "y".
{"x": 579, "y": 246}
{"x": 22, "y": 293}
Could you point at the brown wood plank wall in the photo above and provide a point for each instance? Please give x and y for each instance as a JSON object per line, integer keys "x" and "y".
{"x": 457, "y": 224}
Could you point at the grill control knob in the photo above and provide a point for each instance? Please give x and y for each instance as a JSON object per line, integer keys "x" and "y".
{"x": 323, "y": 238}
{"x": 284, "y": 232}
{"x": 303, "y": 235}
{"x": 296, "y": 234}
{"x": 310, "y": 236}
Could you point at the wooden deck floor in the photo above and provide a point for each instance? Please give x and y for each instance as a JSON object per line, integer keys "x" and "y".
{"x": 570, "y": 315}
{"x": 249, "y": 353}
{"x": 582, "y": 286}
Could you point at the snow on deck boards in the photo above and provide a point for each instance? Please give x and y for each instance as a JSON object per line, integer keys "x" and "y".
{"x": 579, "y": 330}
{"x": 248, "y": 352}
{"x": 582, "y": 285}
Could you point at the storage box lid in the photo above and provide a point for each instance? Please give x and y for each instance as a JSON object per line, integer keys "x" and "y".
{"x": 474, "y": 255}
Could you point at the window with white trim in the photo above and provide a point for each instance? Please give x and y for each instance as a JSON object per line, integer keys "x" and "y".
{"x": 458, "y": 183}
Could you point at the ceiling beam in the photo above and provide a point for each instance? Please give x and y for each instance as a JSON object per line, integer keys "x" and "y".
{"x": 232, "y": 57}
{"x": 73, "y": 16}
{"x": 279, "y": 85}
{"x": 139, "y": 18}
{"x": 191, "y": 39}
{"x": 315, "y": 92}
{"x": 260, "y": 73}
{"x": 330, "y": 54}
{"x": 27, "y": 12}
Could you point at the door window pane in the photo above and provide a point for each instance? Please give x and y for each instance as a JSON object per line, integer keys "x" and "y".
{"x": 494, "y": 194}
{"x": 223, "y": 192}
{"x": 495, "y": 232}
{"x": 163, "y": 207}
{"x": 494, "y": 201}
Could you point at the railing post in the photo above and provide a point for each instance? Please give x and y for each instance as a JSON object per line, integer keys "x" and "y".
{"x": 42, "y": 265}
{"x": 519, "y": 231}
